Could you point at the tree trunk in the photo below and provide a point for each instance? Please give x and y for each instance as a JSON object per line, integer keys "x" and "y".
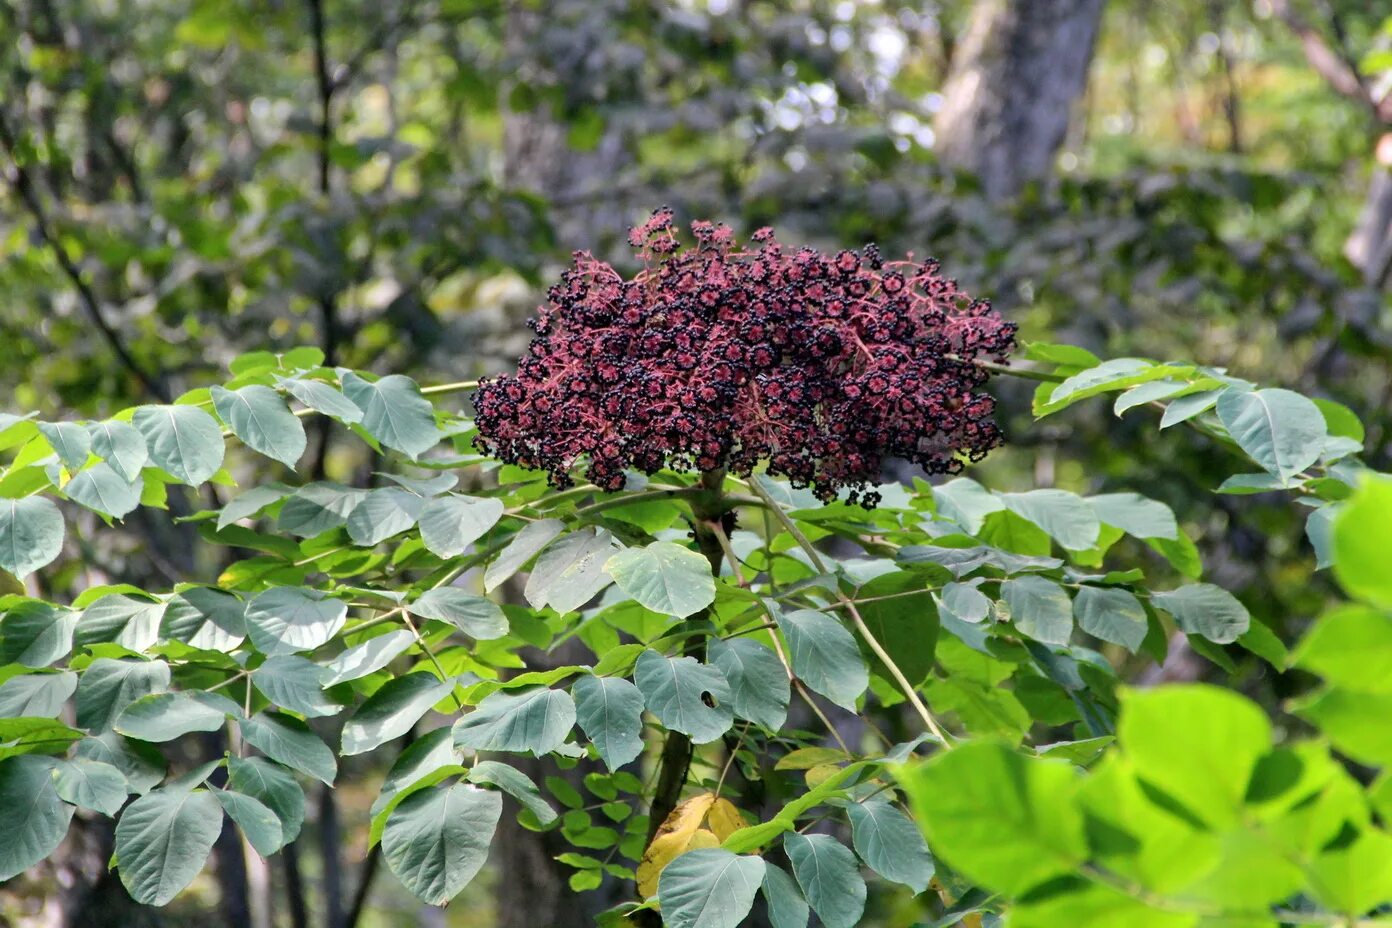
{"x": 1006, "y": 106}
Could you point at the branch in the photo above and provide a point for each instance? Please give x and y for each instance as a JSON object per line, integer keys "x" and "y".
{"x": 1336, "y": 66}
{"x": 28, "y": 193}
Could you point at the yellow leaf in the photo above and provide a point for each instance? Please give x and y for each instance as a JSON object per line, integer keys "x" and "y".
{"x": 671, "y": 839}
{"x": 703, "y": 837}
{"x": 724, "y": 819}
{"x": 819, "y": 774}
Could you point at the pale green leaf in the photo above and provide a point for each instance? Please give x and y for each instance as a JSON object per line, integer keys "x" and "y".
{"x": 316, "y": 508}
{"x": 449, "y": 524}
{"x": 437, "y": 840}
{"x": 273, "y": 786}
{"x": 610, "y": 713}
{"x": 283, "y": 620}
{"x": 320, "y": 396}
{"x": 260, "y": 825}
{"x": 665, "y": 577}
{"x": 69, "y": 440}
{"x": 685, "y": 695}
{"x": 708, "y": 888}
{"x": 476, "y": 616}
{"x": 516, "y": 784}
{"x": 1111, "y": 614}
{"x": 759, "y": 684}
{"x": 36, "y": 634}
{"x": 1280, "y": 430}
{"x": 786, "y": 907}
{"x": 1206, "y": 610}
{"x": 392, "y": 711}
{"x": 1064, "y": 516}
{"x": 205, "y": 618}
{"x": 824, "y": 655}
{"x": 287, "y": 740}
{"x": 91, "y": 784}
{"x": 166, "y": 716}
{"x": 1040, "y": 608}
{"x": 536, "y": 720}
{"x": 183, "y": 441}
{"x": 1135, "y": 515}
{"x": 121, "y": 445}
{"x": 33, "y": 818}
{"x": 31, "y": 534}
{"x": 368, "y": 657}
{"x": 830, "y": 878}
{"x": 162, "y": 840}
{"x": 890, "y": 843}
{"x": 259, "y": 417}
{"x": 36, "y": 695}
{"x": 525, "y": 545}
{"x": 292, "y": 682}
{"x": 383, "y": 513}
{"x": 571, "y": 572}
{"x": 101, "y": 489}
{"x": 108, "y": 686}
{"x": 394, "y": 412}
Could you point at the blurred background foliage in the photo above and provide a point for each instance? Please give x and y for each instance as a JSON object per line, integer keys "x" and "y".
{"x": 182, "y": 181}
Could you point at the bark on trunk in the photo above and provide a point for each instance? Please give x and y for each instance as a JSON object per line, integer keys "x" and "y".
{"x": 1006, "y": 107}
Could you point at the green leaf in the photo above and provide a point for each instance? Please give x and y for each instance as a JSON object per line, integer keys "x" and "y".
{"x": 35, "y": 736}
{"x": 476, "y": 616}
{"x": 32, "y": 817}
{"x": 184, "y": 441}
{"x": 141, "y": 764}
{"x": 283, "y": 620}
{"x": 1114, "y": 374}
{"x": 966, "y": 799}
{"x": 394, "y": 412}
{"x": 1280, "y": 430}
{"x": 1065, "y": 516}
{"x": 1111, "y": 614}
{"x": 287, "y": 740}
{"x": 120, "y": 445}
{"x": 708, "y": 888}
{"x": 162, "y": 840}
{"x": 1356, "y": 878}
{"x": 966, "y": 602}
{"x": 431, "y": 751}
{"x": 1206, "y": 610}
{"x": 320, "y": 396}
{"x": 437, "y": 840}
{"x": 204, "y": 618}
{"x": 36, "y": 695}
{"x": 906, "y": 625}
{"x": 259, "y": 417}
{"x": 108, "y": 686}
{"x": 91, "y": 784}
{"x": 31, "y": 534}
{"x": 610, "y": 713}
{"x": 830, "y": 878}
{"x": 685, "y": 695}
{"x": 1197, "y": 744}
{"x": 759, "y": 685}
{"x": 1355, "y": 723}
{"x": 166, "y": 716}
{"x": 131, "y": 623}
{"x": 1149, "y": 392}
{"x": 1135, "y": 515}
{"x": 571, "y": 572}
{"x": 890, "y": 843}
{"x": 966, "y": 502}
{"x": 1350, "y": 646}
{"x": 101, "y": 489}
{"x": 1362, "y": 556}
{"x": 449, "y": 524}
{"x": 786, "y": 907}
{"x": 383, "y": 513}
{"x": 1040, "y": 609}
{"x": 517, "y": 785}
{"x": 536, "y": 720}
{"x": 525, "y": 545}
{"x": 70, "y": 441}
{"x": 824, "y": 656}
{"x": 251, "y": 502}
{"x": 665, "y": 577}
{"x": 260, "y": 825}
{"x": 292, "y": 682}
{"x": 368, "y": 657}
{"x": 1187, "y": 407}
{"x": 273, "y": 786}
{"x": 392, "y": 710}
{"x": 36, "y": 634}
{"x": 316, "y": 508}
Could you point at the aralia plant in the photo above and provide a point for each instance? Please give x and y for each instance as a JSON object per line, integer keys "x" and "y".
{"x": 793, "y": 675}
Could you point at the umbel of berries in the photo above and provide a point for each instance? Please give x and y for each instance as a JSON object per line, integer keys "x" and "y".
{"x": 720, "y": 355}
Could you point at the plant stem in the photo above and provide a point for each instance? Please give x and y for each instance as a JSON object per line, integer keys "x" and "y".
{"x": 708, "y": 504}
{"x": 816, "y": 558}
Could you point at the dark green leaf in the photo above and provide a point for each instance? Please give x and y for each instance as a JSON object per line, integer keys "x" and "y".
{"x": 610, "y": 713}
{"x": 184, "y": 441}
{"x": 162, "y": 840}
{"x": 437, "y": 840}
{"x": 685, "y": 695}
{"x": 392, "y": 711}
{"x": 259, "y": 417}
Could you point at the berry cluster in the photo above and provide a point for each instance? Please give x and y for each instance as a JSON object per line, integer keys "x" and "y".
{"x": 721, "y": 356}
